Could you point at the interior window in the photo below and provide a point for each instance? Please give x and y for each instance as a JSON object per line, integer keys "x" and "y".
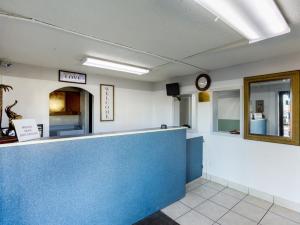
{"x": 226, "y": 111}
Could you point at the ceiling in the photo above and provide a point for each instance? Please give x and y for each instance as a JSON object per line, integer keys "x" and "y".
{"x": 171, "y": 37}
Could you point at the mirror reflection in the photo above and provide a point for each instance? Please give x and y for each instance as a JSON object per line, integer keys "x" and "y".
{"x": 270, "y": 108}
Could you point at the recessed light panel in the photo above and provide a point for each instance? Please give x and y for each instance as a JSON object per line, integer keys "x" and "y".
{"x": 254, "y": 19}
{"x": 105, "y": 64}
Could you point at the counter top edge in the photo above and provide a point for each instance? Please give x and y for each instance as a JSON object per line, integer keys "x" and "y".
{"x": 92, "y": 136}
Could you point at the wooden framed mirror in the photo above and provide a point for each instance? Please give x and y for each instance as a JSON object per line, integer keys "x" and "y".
{"x": 271, "y": 108}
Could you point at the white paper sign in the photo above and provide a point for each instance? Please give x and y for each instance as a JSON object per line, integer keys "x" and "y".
{"x": 26, "y": 129}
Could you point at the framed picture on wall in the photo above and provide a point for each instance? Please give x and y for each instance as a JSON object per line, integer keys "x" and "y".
{"x": 259, "y": 104}
{"x": 71, "y": 77}
{"x": 107, "y": 105}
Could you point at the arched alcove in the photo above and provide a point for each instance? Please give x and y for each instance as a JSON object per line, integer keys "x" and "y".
{"x": 70, "y": 112}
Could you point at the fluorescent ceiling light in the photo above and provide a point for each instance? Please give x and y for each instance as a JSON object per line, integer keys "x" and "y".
{"x": 254, "y": 19}
{"x": 105, "y": 64}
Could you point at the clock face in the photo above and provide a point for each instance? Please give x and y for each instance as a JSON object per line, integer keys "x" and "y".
{"x": 203, "y": 82}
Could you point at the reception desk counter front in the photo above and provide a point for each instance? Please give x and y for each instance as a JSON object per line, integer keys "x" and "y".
{"x": 112, "y": 179}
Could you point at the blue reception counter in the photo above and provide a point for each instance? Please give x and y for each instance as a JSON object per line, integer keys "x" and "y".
{"x": 113, "y": 179}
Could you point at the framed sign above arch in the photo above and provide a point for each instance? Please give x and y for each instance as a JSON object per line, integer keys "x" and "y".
{"x": 71, "y": 77}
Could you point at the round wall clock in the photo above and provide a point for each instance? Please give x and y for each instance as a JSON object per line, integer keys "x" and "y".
{"x": 203, "y": 82}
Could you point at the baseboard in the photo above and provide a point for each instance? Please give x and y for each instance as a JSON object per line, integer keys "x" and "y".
{"x": 254, "y": 192}
{"x": 239, "y": 187}
{"x": 287, "y": 204}
{"x": 218, "y": 180}
{"x": 205, "y": 176}
{"x": 195, "y": 183}
{"x": 261, "y": 194}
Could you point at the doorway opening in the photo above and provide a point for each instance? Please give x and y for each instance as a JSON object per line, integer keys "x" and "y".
{"x": 284, "y": 114}
{"x": 70, "y": 112}
{"x": 184, "y": 111}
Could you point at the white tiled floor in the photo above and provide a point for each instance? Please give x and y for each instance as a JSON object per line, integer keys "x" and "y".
{"x": 209, "y": 203}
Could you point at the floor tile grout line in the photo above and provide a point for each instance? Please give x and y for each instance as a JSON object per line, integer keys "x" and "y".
{"x": 243, "y": 199}
{"x": 230, "y": 210}
{"x": 190, "y": 209}
{"x": 186, "y": 204}
{"x": 265, "y": 213}
{"x": 194, "y": 209}
{"x": 236, "y": 196}
{"x": 198, "y": 194}
{"x": 206, "y": 199}
{"x": 246, "y": 194}
{"x": 203, "y": 215}
{"x": 258, "y": 205}
{"x": 267, "y": 210}
{"x": 222, "y": 190}
{"x": 208, "y": 181}
{"x": 198, "y": 186}
{"x": 239, "y": 199}
{"x": 218, "y": 204}
{"x": 212, "y": 195}
{"x": 183, "y": 214}
{"x": 246, "y": 216}
{"x": 223, "y": 186}
{"x": 284, "y": 217}
{"x": 219, "y": 191}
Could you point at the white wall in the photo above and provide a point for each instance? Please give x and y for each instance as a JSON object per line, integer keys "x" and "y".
{"x": 163, "y": 107}
{"x": 267, "y": 167}
{"x": 264, "y": 167}
{"x": 32, "y": 85}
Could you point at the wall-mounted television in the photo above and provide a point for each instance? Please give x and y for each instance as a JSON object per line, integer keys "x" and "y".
{"x": 173, "y": 89}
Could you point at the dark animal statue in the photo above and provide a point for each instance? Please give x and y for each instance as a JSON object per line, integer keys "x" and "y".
{"x": 4, "y": 88}
{"x": 11, "y": 116}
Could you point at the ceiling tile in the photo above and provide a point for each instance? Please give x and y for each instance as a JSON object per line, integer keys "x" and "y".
{"x": 249, "y": 53}
{"x": 172, "y": 28}
{"x": 38, "y": 45}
